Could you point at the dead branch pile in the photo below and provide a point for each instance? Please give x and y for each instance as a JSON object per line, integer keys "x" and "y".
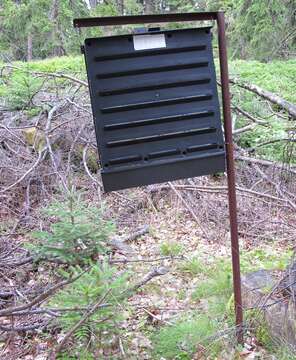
{"x": 59, "y": 144}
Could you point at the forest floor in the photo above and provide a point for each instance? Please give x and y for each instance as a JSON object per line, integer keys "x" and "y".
{"x": 186, "y": 313}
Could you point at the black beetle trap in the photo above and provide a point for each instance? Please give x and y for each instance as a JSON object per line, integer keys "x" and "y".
{"x": 155, "y": 105}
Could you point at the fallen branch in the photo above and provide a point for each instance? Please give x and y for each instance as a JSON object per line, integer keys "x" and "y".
{"x": 277, "y": 187}
{"x": 249, "y": 116}
{"x": 125, "y": 261}
{"x": 24, "y": 328}
{"x": 158, "y": 271}
{"x": 275, "y": 99}
{"x": 41, "y": 157}
{"x": 120, "y": 243}
{"x": 132, "y": 237}
{"x": 53, "y": 311}
{"x": 265, "y": 163}
{"x": 84, "y": 158}
{"x": 224, "y": 189}
{"x": 39, "y": 299}
{"x": 270, "y": 142}
{"x": 243, "y": 129}
{"x": 117, "y": 243}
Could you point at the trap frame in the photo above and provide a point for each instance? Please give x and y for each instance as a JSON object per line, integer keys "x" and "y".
{"x": 219, "y": 18}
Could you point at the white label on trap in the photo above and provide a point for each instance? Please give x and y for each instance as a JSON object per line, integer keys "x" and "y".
{"x": 153, "y": 41}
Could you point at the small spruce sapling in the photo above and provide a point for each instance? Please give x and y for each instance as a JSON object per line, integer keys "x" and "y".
{"x": 101, "y": 281}
{"x": 77, "y": 235}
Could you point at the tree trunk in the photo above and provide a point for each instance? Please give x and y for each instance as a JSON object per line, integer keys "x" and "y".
{"x": 120, "y": 5}
{"x": 58, "y": 49}
{"x": 29, "y": 47}
{"x": 93, "y": 3}
{"x": 149, "y": 7}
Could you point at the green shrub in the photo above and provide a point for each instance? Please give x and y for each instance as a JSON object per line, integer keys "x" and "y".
{"x": 100, "y": 282}
{"x": 192, "y": 267}
{"x": 170, "y": 249}
{"x": 77, "y": 235}
{"x": 21, "y": 89}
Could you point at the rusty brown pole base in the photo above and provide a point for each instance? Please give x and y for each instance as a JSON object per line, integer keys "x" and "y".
{"x": 230, "y": 177}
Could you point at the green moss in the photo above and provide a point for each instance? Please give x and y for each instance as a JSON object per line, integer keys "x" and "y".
{"x": 277, "y": 76}
{"x": 181, "y": 340}
{"x": 64, "y": 64}
{"x": 268, "y": 259}
{"x": 34, "y": 111}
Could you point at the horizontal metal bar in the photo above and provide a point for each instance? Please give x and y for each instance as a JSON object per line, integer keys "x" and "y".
{"x": 162, "y": 102}
{"x": 159, "y": 120}
{"x": 168, "y": 85}
{"x": 160, "y": 137}
{"x": 144, "y": 19}
{"x": 132, "y": 55}
{"x": 164, "y": 153}
{"x": 153, "y": 69}
{"x": 125, "y": 159}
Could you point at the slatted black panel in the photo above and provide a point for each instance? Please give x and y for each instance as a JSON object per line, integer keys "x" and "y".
{"x": 156, "y": 111}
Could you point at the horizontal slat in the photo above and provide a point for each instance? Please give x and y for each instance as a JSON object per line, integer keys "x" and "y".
{"x": 152, "y": 79}
{"x": 153, "y": 69}
{"x": 158, "y": 137}
{"x": 164, "y": 153}
{"x": 144, "y": 53}
{"x": 127, "y": 90}
{"x": 166, "y": 169}
{"x": 159, "y": 120}
{"x": 150, "y": 104}
{"x": 122, "y": 65}
{"x": 159, "y": 154}
{"x": 124, "y": 159}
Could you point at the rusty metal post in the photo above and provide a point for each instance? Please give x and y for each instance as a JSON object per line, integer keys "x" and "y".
{"x": 230, "y": 176}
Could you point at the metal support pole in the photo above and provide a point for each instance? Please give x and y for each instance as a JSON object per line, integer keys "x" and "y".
{"x": 230, "y": 176}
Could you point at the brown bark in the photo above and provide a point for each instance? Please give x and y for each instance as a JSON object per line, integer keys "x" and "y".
{"x": 120, "y": 6}
{"x": 58, "y": 49}
{"x": 29, "y": 47}
{"x": 93, "y": 3}
{"x": 149, "y": 7}
{"x": 275, "y": 99}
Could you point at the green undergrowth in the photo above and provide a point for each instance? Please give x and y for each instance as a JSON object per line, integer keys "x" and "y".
{"x": 181, "y": 341}
{"x": 170, "y": 249}
{"x": 276, "y": 76}
{"x": 18, "y": 88}
{"x": 210, "y": 327}
{"x": 19, "y": 85}
{"x": 260, "y": 141}
{"x": 64, "y": 64}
